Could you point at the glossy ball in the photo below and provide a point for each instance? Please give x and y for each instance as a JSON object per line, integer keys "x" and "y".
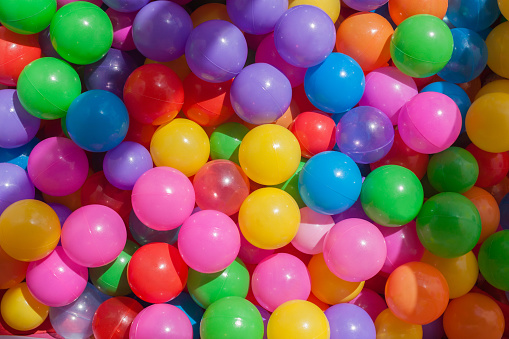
{"x": 194, "y": 312}
{"x": 143, "y": 234}
{"x": 349, "y": 322}
{"x": 473, "y": 14}
{"x": 365, "y": 5}
{"x": 161, "y": 321}
{"x": 312, "y": 231}
{"x": 257, "y": 17}
{"x": 488, "y": 210}
{"x": 400, "y": 10}
{"x": 114, "y": 317}
{"x": 27, "y": 17}
{"x": 493, "y": 167}
{"x": 225, "y": 141}
{"x": 491, "y": 257}
{"x": 315, "y": 133}
{"x": 122, "y": 29}
{"x": 13, "y": 271}
{"x": 496, "y": 43}
{"x": 15, "y": 185}
{"x": 370, "y": 301}
{"x": 126, "y": 5}
{"x": 388, "y": 325}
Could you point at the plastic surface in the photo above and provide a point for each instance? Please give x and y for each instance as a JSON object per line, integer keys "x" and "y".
{"x": 161, "y": 321}
{"x": 27, "y": 17}
{"x": 114, "y": 317}
{"x": 315, "y": 133}
{"x": 400, "y": 9}
{"x": 258, "y": 17}
{"x": 491, "y": 256}
{"x": 312, "y": 231}
{"x": 15, "y": 185}
{"x": 473, "y": 14}
{"x": 349, "y": 322}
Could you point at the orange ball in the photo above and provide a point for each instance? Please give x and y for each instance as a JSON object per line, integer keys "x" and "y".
{"x": 366, "y": 38}
{"x": 13, "y": 271}
{"x": 388, "y": 326}
{"x": 488, "y": 210}
{"x": 403, "y": 9}
{"x": 417, "y": 293}
{"x": 208, "y": 12}
{"x": 474, "y": 316}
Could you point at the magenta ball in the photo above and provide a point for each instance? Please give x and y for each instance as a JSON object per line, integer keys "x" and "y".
{"x": 163, "y": 198}
{"x": 209, "y": 241}
{"x": 296, "y": 28}
{"x": 280, "y": 278}
{"x": 430, "y": 122}
{"x": 56, "y": 280}
{"x": 216, "y": 51}
{"x": 124, "y": 164}
{"x": 370, "y": 301}
{"x": 256, "y": 16}
{"x": 365, "y": 5}
{"x": 161, "y": 321}
{"x": 260, "y": 94}
{"x": 93, "y": 235}
{"x": 250, "y": 254}
{"x": 57, "y": 166}
{"x": 15, "y": 185}
{"x": 354, "y": 250}
{"x": 122, "y": 29}
{"x": 312, "y": 231}
{"x": 388, "y": 89}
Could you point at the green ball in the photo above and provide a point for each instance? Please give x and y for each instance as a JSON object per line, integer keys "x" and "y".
{"x": 291, "y": 186}
{"x": 449, "y": 225}
{"x": 225, "y": 141}
{"x": 493, "y": 260}
{"x": 392, "y": 195}
{"x": 27, "y": 16}
{"x": 421, "y": 45}
{"x": 453, "y": 170}
{"x": 81, "y": 32}
{"x": 47, "y": 87}
{"x": 209, "y": 288}
{"x": 233, "y": 318}
{"x": 111, "y": 279}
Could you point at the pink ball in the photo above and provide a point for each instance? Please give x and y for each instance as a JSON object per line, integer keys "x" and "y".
{"x": 93, "y": 235}
{"x": 370, "y": 301}
{"x": 209, "y": 241}
{"x": 312, "y": 231}
{"x": 57, "y": 166}
{"x": 403, "y": 246}
{"x": 250, "y": 254}
{"x": 163, "y": 198}
{"x": 61, "y": 3}
{"x": 280, "y": 278}
{"x": 354, "y": 250}
{"x": 388, "y": 89}
{"x": 430, "y": 122}
{"x": 161, "y": 321}
{"x": 56, "y": 280}
{"x": 122, "y": 29}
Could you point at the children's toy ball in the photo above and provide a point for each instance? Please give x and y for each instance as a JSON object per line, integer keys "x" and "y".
{"x": 191, "y": 309}
{"x": 161, "y": 321}
{"x": 476, "y": 15}
{"x": 488, "y": 210}
{"x": 13, "y": 271}
{"x": 15, "y": 185}
{"x": 365, "y": 5}
{"x": 256, "y": 17}
{"x": 400, "y": 9}
{"x": 387, "y": 324}
{"x": 369, "y": 301}
{"x": 26, "y": 16}
{"x": 126, "y": 6}
{"x": 491, "y": 258}
{"x": 122, "y": 29}
{"x": 312, "y": 231}
{"x": 225, "y": 141}
{"x": 349, "y": 321}
{"x": 143, "y": 234}
{"x": 493, "y": 167}
{"x": 114, "y": 317}
{"x": 331, "y": 7}
{"x": 315, "y": 133}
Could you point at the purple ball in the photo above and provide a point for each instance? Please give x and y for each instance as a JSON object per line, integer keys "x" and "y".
{"x": 47, "y": 48}
{"x": 145, "y": 235}
{"x": 63, "y": 212}
{"x": 17, "y": 126}
{"x": 256, "y": 16}
{"x": 216, "y": 51}
{"x": 260, "y": 94}
{"x": 349, "y": 321}
{"x": 265, "y": 317}
{"x": 110, "y": 73}
{"x": 434, "y": 329}
{"x": 15, "y": 185}
{"x": 356, "y": 211}
{"x": 299, "y": 26}
{"x": 161, "y": 29}
{"x": 124, "y": 164}
{"x": 365, "y": 5}
{"x": 365, "y": 134}
{"x": 126, "y": 6}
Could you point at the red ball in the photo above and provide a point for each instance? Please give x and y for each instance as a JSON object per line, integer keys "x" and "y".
{"x": 157, "y": 273}
{"x": 316, "y": 132}
{"x": 114, "y": 317}
{"x": 493, "y": 167}
{"x": 153, "y": 94}
{"x": 140, "y": 133}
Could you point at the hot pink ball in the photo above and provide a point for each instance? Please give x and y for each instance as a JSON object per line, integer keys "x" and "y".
{"x": 312, "y": 231}
{"x": 388, "y": 89}
{"x": 93, "y": 235}
{"x": 430, "y": 122}
{"x": 57, "y": 166}
{"x": 56, "y": 280}
{"x": 250, "y": 254}
{"x": 209, "y": 241}
{"x": 161, "y": 321}
{"x": 163, "y": 198}
{"x": 370, "y": 301}
{"x": 354, "y": 250}
{"x": 280, "y": 278}
{"x": 122, "y": 29}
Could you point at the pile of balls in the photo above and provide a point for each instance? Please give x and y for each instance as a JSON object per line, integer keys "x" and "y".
{"x": 252, "y": 169}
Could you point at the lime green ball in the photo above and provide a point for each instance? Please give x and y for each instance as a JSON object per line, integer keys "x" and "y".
{"x": 47, "y": 87}
{"x": 392, "y": 195}
{"x": 27, "y": 16}
{"x": 493, "y": 260}
{"x": 232, "y": 317}
{"x": 291, "y": 186}
{"x": 81, "y": 33}
{"x": 421, "y": 45}
{"x": 225, "y": 141}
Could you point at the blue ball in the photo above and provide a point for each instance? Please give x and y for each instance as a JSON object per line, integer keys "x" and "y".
{"x": 191, "y": 309}
{"x": 469, "y": 57}
{"x": 19, "y": 155}
{"x": 97, "y": 121}
{"x": 330, "y": 182}
{"x": 335, "y": 85}
{"x": 473, "y": 14}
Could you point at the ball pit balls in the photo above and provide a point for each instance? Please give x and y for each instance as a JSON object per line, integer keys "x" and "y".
{"x": 191, "y": 309}
{"x": 312, "y": 231}
{"x": 47, "y": 87}
{"x": 388, "y": 325}
{"x": 144, "y": 235}
{"x": 26, "y": 16}
{"x": 476, "y": 15}
{"x": 488, "y": 210}
{"x": 122, "y": 29}
{"x": 13, "y": 271}
{"x": 113, "y": 318}
{"x": 370, "y": 301}
{"x": 493, "y": 167}
{"x": 315, "y": 133}
{"x": 349, "y": 321}
{"x": 81, "y": 24}
{"x": 126, "y": 6}
{"x": 225, "y": 141}
{"x": 15, "y": 185}
{"x": 421, "y": 45}
{"x": 257, "y": 17}
{"x": 209, "y": 11}
{"x": 331, "y": 7}
{"x": 400, "y": 9}
{"x": 161, "y": 321}
{"x": 491, "y": 260}
{"x": 29, "y": 230}
{"x": 365, "y": 5}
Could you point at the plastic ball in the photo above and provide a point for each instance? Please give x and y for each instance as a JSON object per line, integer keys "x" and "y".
{"x": 144, "y": 235}
{"x": 421, "y": 45}
{"x": 47, "y": 87}
{"x": 216, "y": 51}
{"x": 157, "y": 273}
{"x": 161, "y": 321}
{"x": 256, "y": 17}
{"x": 315, "y": 133}
{"x": 502, "y": 5}
{"x": 209, "y": 11}
{"x": 369, "y": 301}
{"x": 250, "y": 254}
{"x": 57, "y": 166}
{"x": 389, "y": 326}
{"x": 488, "y": 210}
{"x": 400, "y": 10}
{"x": 492, "y": 257}
{"x": 27, "y": 17}
{"x": 13, "y": 271}
{"x": 20, "y": 310}
{"x": 496, "y": 43}
{"x": 19, "y": 155}
{"x": 113, "y": 318}
{"x": 312, "y": 231}
{"x": 442, "y": 237}
{"x": 15, "y": 185}
{"x": 277, "y": 208}
{"x": 194, "y": 312}
{"x": 472, "y": 14}
{"x": 225, "y": 141}
{"x": 331, "y": 7}
{"x": 126, "y": 5}
{"x": 154, "y": 206}
{"x": 430, "y": 122}
{"x": 140, "y": 133}
{"x": 122, "y": 29}
{"x": 322, "y": 83}
{"x": 493, "y": 167}
{"x": 365, "y": 5}
{"x": 501, "y": 85}
{"x": 80, "y": 24}
{"x": 349, "y": 322}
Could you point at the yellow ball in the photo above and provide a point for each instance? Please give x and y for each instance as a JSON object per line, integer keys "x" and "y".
{"x": 209, "y": 12}
{"x": 29, "y": 230}
{"x": 497, "y": 86}
{"x": 21, "y": 310}
{"x": 269, "y": 154}
{"x": 298, "y": 319}
{"x": 498, "y": 44}
{"x": 504, "y": 8}
{"x": 181, "y": 144}
{"x": 331, "y": 7}
{"x": 389, "y": 327}
{"x": 269, "y": 218}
